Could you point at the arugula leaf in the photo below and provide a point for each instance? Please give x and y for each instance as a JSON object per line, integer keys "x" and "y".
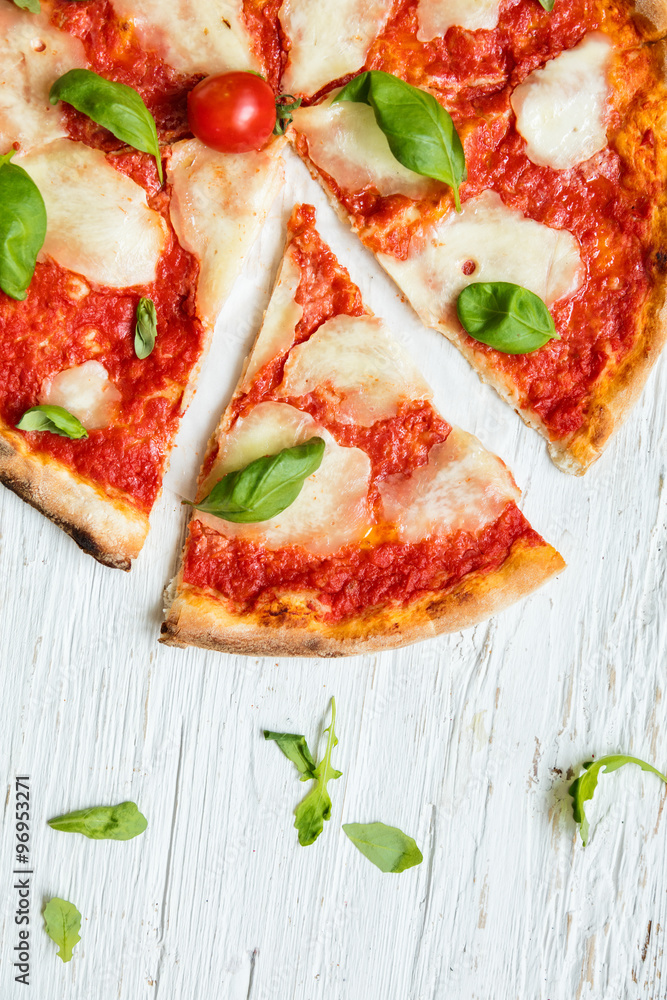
{"x": 507, "y": 317}
{"x": 420, "y": 133}
{"x": 548, "y": 4}
{"x": 295, "y": 749}
{"x": 62, "y": 922}
{"x": 33, "y": 6}
{"x": 266, "y": 487}
{"x": 583, "y": 788}
{"x": 145, "y": 330}
{"x": 22, "y": 227}
{"x": 121, "y": 822}
{"x": 115, "y": 106}
{"x": 316, "y": 807}
{"x": 387, "y": 847}
{"x": 54, "y": 419}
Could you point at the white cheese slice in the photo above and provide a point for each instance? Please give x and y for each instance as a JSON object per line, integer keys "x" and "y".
{"x": 356, "y": 359}
{"x": 33, "y": 53}
{"x": 280, "y": 320}
{"x": 98, "y": 221}
{"x": 328, "y": 39}
{"x": 462, "y": 488}
{"x": 210, "y": 217}
{"x": 502, "y": 245}
{"x": 86, "y": 392}
{"x": 332, "y": 508}
{"x": 436, "y": 17}
{"x": 561, "y": 109}
{"x": 204, "y": 37}
{"x": 346, "y": 142}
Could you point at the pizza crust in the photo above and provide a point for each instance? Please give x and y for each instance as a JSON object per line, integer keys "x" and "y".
{"x": 289, "y": 628}
{"x": 652, "y": 18}
{"x": 109, "y": 529}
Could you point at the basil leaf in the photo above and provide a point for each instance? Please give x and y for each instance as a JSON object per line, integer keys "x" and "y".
{"x": 115, "y": 106}
{"x": 121, "y": 822}
{"x": 583, "y": 788}
{"x": 505, "y": 316}
{"x": 387, "y": 847}
{"x": 264, "y": 488}
{"x": 32, "y": 5}
{"x": 145, "y": 330}
{"x": 548, "y": 4}
{"x": 22, "y": 227}
{"x": 54, "y": 419}
{"x": 295, "y": 749}
{"x": 312, "y": 812}
{"x": 62, "y": 923}
{"x": 420, "y": 133}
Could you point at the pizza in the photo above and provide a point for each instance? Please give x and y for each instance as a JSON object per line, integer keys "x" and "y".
{"x": 561, "y": 117}
{"x": 406, "y": 528}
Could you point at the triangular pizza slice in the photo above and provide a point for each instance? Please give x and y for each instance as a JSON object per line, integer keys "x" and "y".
{"x": 338, "y": 512}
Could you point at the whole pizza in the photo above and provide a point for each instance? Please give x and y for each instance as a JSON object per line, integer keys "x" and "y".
{"x": 504, "y": 160}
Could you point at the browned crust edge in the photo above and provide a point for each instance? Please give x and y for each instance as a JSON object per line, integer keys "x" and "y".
{"x": 651, "y": 17}
{"x": 110, "y": 530}
{"x": 198, "y": 618}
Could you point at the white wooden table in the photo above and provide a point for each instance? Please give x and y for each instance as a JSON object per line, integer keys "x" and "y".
{"x": 467, "y": 742}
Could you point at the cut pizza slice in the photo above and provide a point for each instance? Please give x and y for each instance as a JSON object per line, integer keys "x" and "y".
{"x": 563, "y": 193}
{"x": 337, "y": 512}
{"x": 112, "y": 326}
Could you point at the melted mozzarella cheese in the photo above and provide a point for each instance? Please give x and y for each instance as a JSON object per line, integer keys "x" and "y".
{"x": 98, "y": 221}
{"x": 211, "y": 220}
{"x": 561, "y": 108}
{"x": 462, "y": 488}
{"x": 346, "y": 142}
{"x": 328, "y": 39}
{"x": 204, "y": 37}
{"x": 86, "y": 392}
{"x": 435, "y": 17}
{"x": 501, "y": 243}
{"x": 332, "y": 508}
{"x": 33, "y": 53}
{"x": 356, "y": 359}
{"x": 280, "y": 320}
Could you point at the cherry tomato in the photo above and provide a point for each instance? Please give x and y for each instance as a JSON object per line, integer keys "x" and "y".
{"x": 232, "y": 112}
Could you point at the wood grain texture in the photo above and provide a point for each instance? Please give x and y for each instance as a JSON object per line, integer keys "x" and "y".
{"x": 467, "y": 742}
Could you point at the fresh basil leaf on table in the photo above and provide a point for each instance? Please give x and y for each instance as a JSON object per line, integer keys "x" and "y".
{"x": 121, "y": 822}
{"x": 62, "y": 922}
{"x": 387, "y": 847}
{"x": 115, "y": 106}
{"x": 266, "y": 487}
{"x": 311, "y": 813}
{"x": 145, "y": 330}
{"x": 296, "y": 749}
{"x": 508, "y": 317}
{"x": 22, "y": 227}
{"x": 54, "y": 419}
{"x": 420, "y": 133}
{"x": 583, "y": 788}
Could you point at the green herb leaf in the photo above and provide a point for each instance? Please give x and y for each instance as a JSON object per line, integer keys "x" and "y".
{"x": 420, "y": 133}
{"x": 285, "y": 105}
{"x": 295, "y": 749}
{"x": 145, "y": 330}
{"x": 54, "y": 419}
{"x": 62, "y": 921}
{"x": 583, "y": 788}
{"x": 505, "y": 316}
{"x": 32, "y": 5}
{"x": 113, "y": 105}
{"x": 121, "y": 822}
{"x": 22, "y": 227}
{"x": 548, "y": 4}
{"x": 387, "y": 847}
{"x": 266, "y": 487}
{"x": 316, "y": 807}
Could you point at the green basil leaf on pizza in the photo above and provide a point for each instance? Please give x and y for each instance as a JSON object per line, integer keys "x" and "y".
{"x": 420, "y": 133}
{"x": 22, "y": 228}
{"x": 115, "y": 106}
{"x": 548, "y": 4}
{"x": 505, "y": 316}
{"x": 265, "y": 487}
{"x": 54, "y": 419}
{"x": 387, "y": 847}
{"x": 33, "y": 6}
{"x": 145, "y": 330}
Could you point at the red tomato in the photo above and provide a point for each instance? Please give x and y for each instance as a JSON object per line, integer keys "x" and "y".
{"x": 232, "y": 112}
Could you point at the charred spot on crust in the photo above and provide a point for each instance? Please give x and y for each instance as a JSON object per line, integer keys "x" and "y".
{"x": 661, "y": 260}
